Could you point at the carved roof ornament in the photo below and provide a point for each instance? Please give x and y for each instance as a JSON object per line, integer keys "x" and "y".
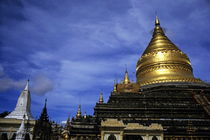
{"x": 156, "y": 126}
{"x": 162, "y": 61}
{"x": 112, "y": 123}
{"x": 134, "y": 126}
{"x": 130, "y": 126}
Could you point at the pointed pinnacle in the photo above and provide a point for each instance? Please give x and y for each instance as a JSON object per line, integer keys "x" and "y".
{"x": 126, "y": 78}
{"x": 27, "y": 85}
{"x": 157, "y": 21}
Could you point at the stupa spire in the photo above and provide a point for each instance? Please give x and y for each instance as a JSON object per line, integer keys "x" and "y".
{"x": 27, "y": 85}
{"x": 162, "y": 61}
{"x": 126, "y": 78}
{"x": 157, "y": 21}
{"x": 79, "y": 114}
{"x": 44, "y": 116}
{"x": 23, "y": 106}
{"x": 101, "y": 100}
{"x": 85, "y": 115}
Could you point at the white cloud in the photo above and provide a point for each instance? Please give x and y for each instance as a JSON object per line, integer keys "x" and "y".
{"x": 7, "y": 83}
{"x": 41, "y": 84}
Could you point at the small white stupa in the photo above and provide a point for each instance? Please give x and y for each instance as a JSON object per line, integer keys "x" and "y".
{"x": 21, "y": 133}
{"x": 23, "y": 106}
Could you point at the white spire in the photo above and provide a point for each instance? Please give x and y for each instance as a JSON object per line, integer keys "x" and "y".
{"x": 23, "y": 106}
{"x": 27, "y": 85}
{"x": 20, "y": 134}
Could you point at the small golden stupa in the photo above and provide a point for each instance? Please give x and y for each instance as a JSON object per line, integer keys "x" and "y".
{"x": 79, "y": 114}
{"x": 163, "y": 61}
{"x": 126, "y": 78}
{"x": 101, "y": 100}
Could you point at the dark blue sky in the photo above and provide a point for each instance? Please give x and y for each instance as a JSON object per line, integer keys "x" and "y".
{"x": 74, "y": 49}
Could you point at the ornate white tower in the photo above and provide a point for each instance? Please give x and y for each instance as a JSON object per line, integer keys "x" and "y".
{"x": 23, "y": 106}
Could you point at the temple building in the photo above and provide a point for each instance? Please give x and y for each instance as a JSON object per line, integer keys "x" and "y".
{"x": 166, "y": 101}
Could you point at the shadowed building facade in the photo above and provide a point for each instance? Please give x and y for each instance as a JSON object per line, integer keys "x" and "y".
{"x": 166, "y": 101}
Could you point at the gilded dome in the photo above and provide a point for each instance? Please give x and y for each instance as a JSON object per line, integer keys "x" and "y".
{"x": 163, "y": 61}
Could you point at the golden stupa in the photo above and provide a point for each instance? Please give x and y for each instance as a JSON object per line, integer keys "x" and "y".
{"x": 163, "y": 61}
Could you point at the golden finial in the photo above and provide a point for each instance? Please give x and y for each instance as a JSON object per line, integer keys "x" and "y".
{"x": 79, "y": 112}
{"x": 85, "y": 115}
{"x": 126, "y": 78}
{"x": 101, "y": 100}
{"x": 157, "y": 21}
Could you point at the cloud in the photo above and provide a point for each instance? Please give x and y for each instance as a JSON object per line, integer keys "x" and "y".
{"x": 41, "y": 84}
{"x": 7, "y": 83}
